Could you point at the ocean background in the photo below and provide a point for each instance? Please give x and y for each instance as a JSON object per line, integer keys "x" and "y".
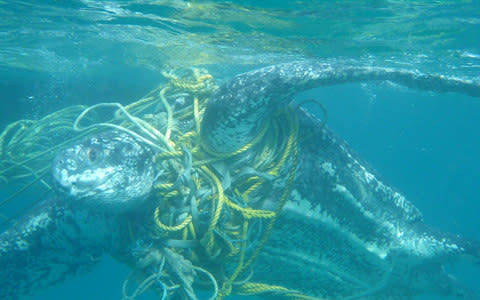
{"x": 57, "y": 53}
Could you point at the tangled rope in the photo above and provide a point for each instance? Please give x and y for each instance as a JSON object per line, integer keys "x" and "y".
{"x": 208, "y": 217}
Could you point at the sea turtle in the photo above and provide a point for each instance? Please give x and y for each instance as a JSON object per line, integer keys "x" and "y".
{"x": 342, "y": 233}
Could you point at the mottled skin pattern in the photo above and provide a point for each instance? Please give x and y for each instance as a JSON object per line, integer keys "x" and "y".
{"x": 51, "y": 243}
{"x": 346, "y": 234}
{"x": 67, "y": 235}
{"x": 343, "y": 233}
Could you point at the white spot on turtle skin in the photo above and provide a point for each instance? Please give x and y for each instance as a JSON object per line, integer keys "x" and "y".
{"x": 369, "y": 176}
{"x": 71, "y": 164}
{"x": 399, "y": 232}
{"x": 328, "y": 168}
{"x": 37, "y": 222}
{"x": 21, "y": 244}
{"x": 380, "y": 252}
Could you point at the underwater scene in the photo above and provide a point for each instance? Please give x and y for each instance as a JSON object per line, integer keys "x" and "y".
{"x": 239, "y": 150}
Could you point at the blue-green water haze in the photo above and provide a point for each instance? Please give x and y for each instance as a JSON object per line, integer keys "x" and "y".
{"x": 58, "y": 53}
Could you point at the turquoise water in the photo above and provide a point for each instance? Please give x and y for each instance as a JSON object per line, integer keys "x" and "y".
{"x": 57, "y": 53}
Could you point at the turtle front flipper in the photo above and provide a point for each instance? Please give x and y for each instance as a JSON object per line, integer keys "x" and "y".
{"x": 49, "y": 245}
{"x": 235, "y": 113}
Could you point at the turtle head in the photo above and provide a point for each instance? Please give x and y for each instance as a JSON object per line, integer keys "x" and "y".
{"x": 110, "y": 169}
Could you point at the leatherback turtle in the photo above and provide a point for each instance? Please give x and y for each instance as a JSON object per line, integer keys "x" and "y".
{"x": 342, "y": 234}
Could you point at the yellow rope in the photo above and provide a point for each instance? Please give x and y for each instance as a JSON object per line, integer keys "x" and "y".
{"x": 216, "y": 216}
{"x": 250, "y": 213}
{"x": 231, "y": 212}
{"x": 238, "y": 226}
{"x": 255, "y": 288}
{"x": 248, "y": 146}
{"x": 168, "y": 155}
{"x": 168, "y": 228}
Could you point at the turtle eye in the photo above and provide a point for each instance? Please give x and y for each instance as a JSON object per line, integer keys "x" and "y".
{"x": 92, "y": 154}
